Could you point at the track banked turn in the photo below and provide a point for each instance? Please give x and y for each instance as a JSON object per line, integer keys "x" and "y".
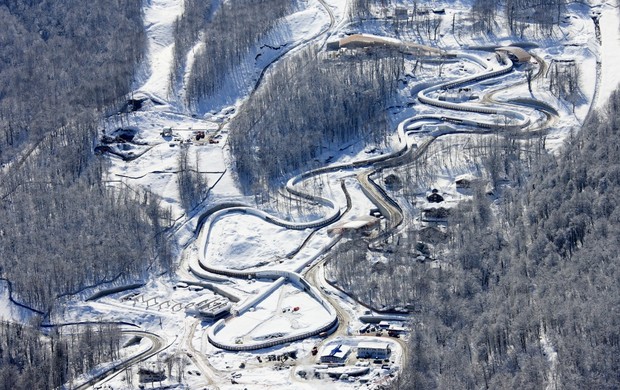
{"x": 406, "y": 153}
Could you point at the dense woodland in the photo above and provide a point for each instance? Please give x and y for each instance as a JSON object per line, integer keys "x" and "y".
{"x": 29, "y": 360}
{"x": 63, "y": 65}
{"x": 330, "y": 102}
{"x": 63, "y": 227}
{"x": 235, "y": 27}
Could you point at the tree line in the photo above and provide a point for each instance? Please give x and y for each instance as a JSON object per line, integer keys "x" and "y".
{"x": 187, "y": 30}
{"x": 193, "y": 185}
{"x": 534, "y": 17}
{"x": 522, "y": 17}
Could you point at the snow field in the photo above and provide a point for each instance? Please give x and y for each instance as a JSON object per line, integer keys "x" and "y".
{"x": 241, "y": 241}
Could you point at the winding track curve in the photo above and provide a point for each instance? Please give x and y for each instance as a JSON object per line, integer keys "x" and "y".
{"x": 376, "y": 194}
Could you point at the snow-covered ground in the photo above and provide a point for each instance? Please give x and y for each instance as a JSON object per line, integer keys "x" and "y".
{"x": 242, "y": 241}
{"x": 159, "y": 18}
{"x": 237, "y": 246}
{"x": 610, "y": 48}
{"x": 10, "y": 311}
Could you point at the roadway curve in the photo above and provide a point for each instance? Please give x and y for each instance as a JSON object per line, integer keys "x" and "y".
{"x": 405, "y": 154}
{"x": 157, "y": 345}
{"x": 389, "y": 208}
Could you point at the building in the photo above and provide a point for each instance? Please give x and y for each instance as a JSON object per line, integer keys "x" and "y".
{"x": 516, "y": 54}
{"x": 361, "y": 41}
{"x": 152, "y": 374}
{"x": 362, "y": 225}
{"x": 465, "y": 181}
{"x": 332, "y": 45}
{"x": 166, "y": 132}
{"x": 213, "y": 308}
{"x": 338, "y": 354}
{"x": 435, "y": 214}
{"x": 373, "y": 350}
{"x": 375, "y": 212}
{"x": 400, "y": 13}
{"x": 437, "y": 129}
{"x": 434, "y": 197}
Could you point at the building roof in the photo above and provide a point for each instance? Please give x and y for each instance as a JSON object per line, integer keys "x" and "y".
{"x": 363, "y": 222}
{"x": 340, "y": 351}
{"x": 466, "y": 177}
{"x": 373, "y": 345}
{"x": 367, "y": 40}
{"x": 522, "y": 55}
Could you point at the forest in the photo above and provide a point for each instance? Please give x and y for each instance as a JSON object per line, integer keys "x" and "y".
{"x": 63, "y": 66}
{"x": 30, "y": 360}
{"x": 226, "y": 40}
{"x": 510, "y": 284}
{"x": 53, "y": 195}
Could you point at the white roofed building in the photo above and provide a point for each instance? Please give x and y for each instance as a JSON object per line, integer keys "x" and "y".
{"x": 337, "y": 354}
{"x": 373, "y": 350}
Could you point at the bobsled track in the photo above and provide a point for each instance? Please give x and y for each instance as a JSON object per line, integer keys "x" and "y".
{"x": 512, "y": 121}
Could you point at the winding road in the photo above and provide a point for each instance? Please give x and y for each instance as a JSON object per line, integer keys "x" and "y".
{"x": 158, "y": 344}
{"x": 517, "y": 121}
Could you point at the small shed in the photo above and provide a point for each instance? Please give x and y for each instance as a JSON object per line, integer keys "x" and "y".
{"x": 434, "y": 197}
{"x": 465, "y": 181}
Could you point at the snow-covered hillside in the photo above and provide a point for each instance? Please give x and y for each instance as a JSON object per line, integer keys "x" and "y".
{"x": 273, "y": 272}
